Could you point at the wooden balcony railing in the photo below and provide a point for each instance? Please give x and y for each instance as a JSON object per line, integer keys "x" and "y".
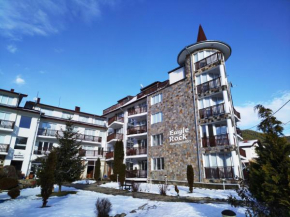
{"x": 110, "y": 155}
{"x": 93, "y": 153}
{"x": 212, "y": 111}
{"x": 115, "y": 118}
{"x": 218, "y": 140}
{"x": 6, "y": 124}
{"x": 4, "y": 148}
{"x": 136, "y": 151}
{"x": 137, "y": 130}
{"x": 136, "y": 173}
{"x": 137, "y": 110}
{"x": 118, "y": 136}
{"x": 219, "y": 172}
{"x": 208, "y": 60}
{"x": 237, "y": 113}
{"x": 209, "y": 85}
{"x": 50, "y": 132}
{"x": 243, "y": 152}
{"x": 41, "y": 152}
{"x": 152, "y": 89}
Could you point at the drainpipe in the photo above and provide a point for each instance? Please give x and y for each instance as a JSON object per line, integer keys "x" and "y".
{"x": 33, "y": 143}
{"x": 195, "y": 117}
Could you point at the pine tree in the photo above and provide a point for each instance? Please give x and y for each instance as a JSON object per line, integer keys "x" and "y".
{"x": 46, "y": 176}
{"x": 97, "y": 170}
{"x": 69, "y": 165}
{"x": 190, "y": 177}
{"x": 270, "y": 174}
{"x": 118, "y": 159}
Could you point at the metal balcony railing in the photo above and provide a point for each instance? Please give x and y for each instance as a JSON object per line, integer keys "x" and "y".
{"x": 208, "y": 60}
{"x": 118, "y": 136}
{"x": 4, "y": 148}
{"x": 212, "y": 111}
{"x": 137, "y": 130}
{"x": 218, "y": 140}
{"x": 219, "y": 172}
{"x": 209, "y": 85}
{"x": 115, "y": 118}
{"x": 136, "y": 173}
{"x": 7, "y": 124}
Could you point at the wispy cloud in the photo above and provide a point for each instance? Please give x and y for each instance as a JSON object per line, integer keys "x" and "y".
{"x": 18, "y": 80}
{"x": 11, "y": 48}
{"x": 19, "y": 18}
{"x": 250, "y": 117}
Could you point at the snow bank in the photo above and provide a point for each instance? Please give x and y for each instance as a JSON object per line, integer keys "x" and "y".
{"x": 85, "y": 181}
{"x": 183, "y": 191}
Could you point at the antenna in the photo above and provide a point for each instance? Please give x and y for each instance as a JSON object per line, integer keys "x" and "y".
{"x": 141, "y": 85}
{"x": 59, "y": 101}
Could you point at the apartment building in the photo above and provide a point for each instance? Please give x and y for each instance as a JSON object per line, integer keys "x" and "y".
{"x": 29, "y": 132}
{"x": 186, "y": 120}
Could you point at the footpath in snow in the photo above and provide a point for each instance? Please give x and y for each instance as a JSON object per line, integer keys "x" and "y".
{"x": 83, "y": 204}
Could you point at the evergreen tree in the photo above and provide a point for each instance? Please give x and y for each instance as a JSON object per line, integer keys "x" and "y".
{"x": 69, "y": 165}
{"x": 190, "y": 177}
{"x": 122, "y": 174}
{"x": 270, "y": 174}
{"x": 118, "y": 158}
{"x": 97, "y": 170}
{"x": 46, "y": 176}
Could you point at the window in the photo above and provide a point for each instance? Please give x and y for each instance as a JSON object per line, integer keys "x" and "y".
{"x": 156, "y": 99}
{"x": 99, "y": 122}
{"x": 4, "y": 116}
{"x": 158, "y": 163}
{"x": 90, "y": 132}
{"x": 20, "y": 143}
{"x": 218, "y": 160}
{"x": 25, "y": 122}
{"x": 157, "y": 139}
{"x": 7, "y": 100}
{"x": 67, "y": 115}
{"x": 46, "y": 125}
{"x": 156, "y": 118}
{"x": 43, "y": 148}
{"x": 47, "y": 112}
{"x": 83, "y": 119}
{"x": 2, "y": 139}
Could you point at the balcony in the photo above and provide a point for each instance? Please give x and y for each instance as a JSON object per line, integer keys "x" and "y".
{"x": 219, "y": 172}
{"x": 115, "y": 118}
{"x": 242, "y": 152}
{"x": 218, "y": 140}
{"x": 109, "y": 155}
{"x": 136, "y": 173}
{"x": 212, "y": 85}
{"x": 4, "y": 148}
{"x": 91, "y": 153}
{"x": 7, "y": 124}
{"x": 239, "y": 132}
{"x": 118, "y": 136}
{"x": 152, "y": 89}
{"x": 136, "y": 151}
{"x": 41, "y": 152}
{"x": 137, "y": 130}
{"x": 212, "y": 111}
{"x": 137, "y": 110}
{"x": 54, "y": 133}
{"x": 237, "y": 113}
{"x": 216, "y": 57}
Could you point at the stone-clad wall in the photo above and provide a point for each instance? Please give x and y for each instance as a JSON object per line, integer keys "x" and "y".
{"x": 178, "y": 113}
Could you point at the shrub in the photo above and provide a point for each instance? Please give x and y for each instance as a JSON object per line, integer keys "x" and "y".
{"x": 103, "y": 207}
{"x": 10, "y": 172}
{"x": 190, "y": 177}
{"x": 97, "y": 174}
{"x": 14, "y": 192}
{"x": 113, "y": 178}
{"x": 162, "y": 189}
{"x": 176, "y": 189}
{"x": 8, "y": 183}
{"x": 135, "y": 187}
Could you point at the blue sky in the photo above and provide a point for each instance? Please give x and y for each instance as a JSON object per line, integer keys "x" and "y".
{"x": 91, "y": 53}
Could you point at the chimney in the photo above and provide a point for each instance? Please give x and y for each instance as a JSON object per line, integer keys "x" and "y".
{"x": 38, "y": 100}
{"x": 12, "y": 90}
{"x": 77, "y": 109}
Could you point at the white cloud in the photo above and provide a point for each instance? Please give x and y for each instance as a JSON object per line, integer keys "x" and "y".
{"x": 12, "y": 48}
{"x": 18, "y": 17}
{"x": 18, "y": 80}
{"x": 249, "y": 117}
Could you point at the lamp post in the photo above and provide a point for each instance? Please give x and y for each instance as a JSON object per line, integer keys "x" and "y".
{"x": 165, "y": 179}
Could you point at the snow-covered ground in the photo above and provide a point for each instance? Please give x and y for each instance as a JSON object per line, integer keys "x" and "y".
{"x": 85, "y": 182}
{"x": 83, "y": 204}
{"x": 183, "y": 191}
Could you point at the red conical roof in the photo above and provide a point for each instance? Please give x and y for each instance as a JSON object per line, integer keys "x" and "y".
{"x": 201, "y": 36}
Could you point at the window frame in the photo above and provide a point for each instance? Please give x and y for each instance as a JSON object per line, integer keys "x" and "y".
{"x": 17, "y": 144}
{"x": 158, "y": 161}
{"x": 23, "y": 120}
{"x": 159, "y": 141}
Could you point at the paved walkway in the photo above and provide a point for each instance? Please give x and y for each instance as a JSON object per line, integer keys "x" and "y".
{"x": 148, "y": 196}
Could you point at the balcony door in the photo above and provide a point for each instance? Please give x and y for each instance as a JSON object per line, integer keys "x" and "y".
{"x": 143, "y": 165}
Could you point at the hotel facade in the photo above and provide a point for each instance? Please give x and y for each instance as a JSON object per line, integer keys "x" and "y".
{"x": 188, "y": 119}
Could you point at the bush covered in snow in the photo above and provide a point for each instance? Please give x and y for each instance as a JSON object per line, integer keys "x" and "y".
{"x": 103, "y": 207}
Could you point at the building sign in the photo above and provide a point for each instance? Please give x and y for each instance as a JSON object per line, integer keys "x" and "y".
{"x": 178, "y": 136}
{"x": 18, "y": 155}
